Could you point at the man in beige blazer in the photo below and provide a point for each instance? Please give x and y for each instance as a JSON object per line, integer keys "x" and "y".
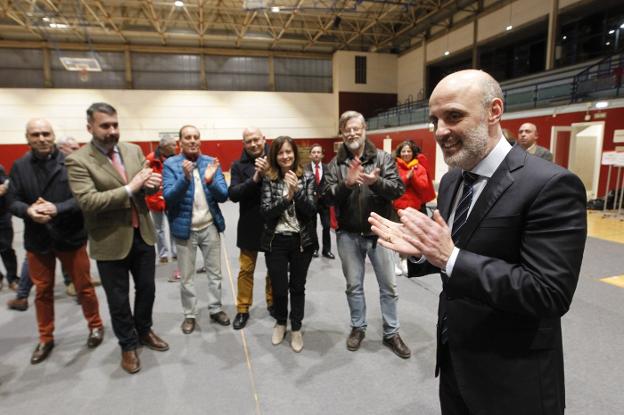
{"x": 109, "y": 180}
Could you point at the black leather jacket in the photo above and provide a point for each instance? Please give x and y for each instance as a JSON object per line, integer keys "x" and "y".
{"x": 273, "y": 204}
{"x": 354, "y": 205}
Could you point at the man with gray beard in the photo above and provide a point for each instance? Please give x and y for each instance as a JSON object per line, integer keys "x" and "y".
{"x": 507, "y": 241}
{"x": 362, "y": 179}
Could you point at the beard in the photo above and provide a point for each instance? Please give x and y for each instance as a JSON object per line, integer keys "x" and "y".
{"x": 473, "y": 148}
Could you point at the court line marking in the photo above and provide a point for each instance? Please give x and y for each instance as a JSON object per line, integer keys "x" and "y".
{"x": 617, "y": 280}
{"x": 250, "y": 369}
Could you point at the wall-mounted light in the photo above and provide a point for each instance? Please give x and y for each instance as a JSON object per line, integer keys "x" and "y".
{"x": 275, "y": 9}
{"x": 602, "y": 104}
{"x": 446, "y": 53}
{"x": 508, "y": 28}
{"x": 178, "y": 3}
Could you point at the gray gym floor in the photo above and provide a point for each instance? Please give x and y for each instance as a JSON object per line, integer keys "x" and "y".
{"x": 218, "y": 370}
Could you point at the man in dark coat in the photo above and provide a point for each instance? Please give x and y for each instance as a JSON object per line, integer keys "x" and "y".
{"x": 318, "y": 169}
{"x": 245, "y": 186}
{"x": 53, "y": 228}
{"x": 509, "y": 257}
{"x": 6, "y": 235}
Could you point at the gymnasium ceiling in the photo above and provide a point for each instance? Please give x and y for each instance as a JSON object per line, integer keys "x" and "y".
{"x": 301, "y": 26}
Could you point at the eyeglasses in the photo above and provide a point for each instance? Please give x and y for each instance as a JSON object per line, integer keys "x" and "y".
{"x": 353, "y": 130}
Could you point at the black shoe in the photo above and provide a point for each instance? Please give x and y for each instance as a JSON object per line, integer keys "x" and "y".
{"x": 395, "y": 343}
{"x": 42, "y": 351}
{"x": 270, "y": 310}
{"x": 240, "y": 320}
{"x": 220, "y": 318}
{"x": 315, "y": 254}
{"x": 355, "y": 339}
{"x": 95, "y": 337}
{"x": 329, "y": 255}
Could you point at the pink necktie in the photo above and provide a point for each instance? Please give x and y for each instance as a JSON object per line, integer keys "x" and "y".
{"x": 317, "y": 174}
{"x": 118, "y": 165}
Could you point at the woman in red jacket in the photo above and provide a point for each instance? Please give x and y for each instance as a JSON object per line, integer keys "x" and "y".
{"x": 418, "y": 186}
{"x": 419, "y": 190}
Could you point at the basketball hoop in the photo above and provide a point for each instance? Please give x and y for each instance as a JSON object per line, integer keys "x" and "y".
{"x": 83, "y": 74}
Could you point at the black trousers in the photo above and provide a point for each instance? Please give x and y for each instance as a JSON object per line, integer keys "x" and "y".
{"x": 141, "y": 263}
{"x": 8, "y": 253}
{"x": 323, "y": 212}
{"x": 451, "y": 401}
{"x": 286, "y": 256}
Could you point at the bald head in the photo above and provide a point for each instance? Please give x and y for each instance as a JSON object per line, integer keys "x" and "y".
{"x": 465, "y": 108}
{"x": 527, "y": 135}
{"x": 40, "y": 137}
{"x": 253, "y": 142}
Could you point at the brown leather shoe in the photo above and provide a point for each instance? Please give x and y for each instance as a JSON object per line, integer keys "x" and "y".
{"x": 19, "y": 304}
{"x": 152, "y": 341}
{"x": 95, "y": 337}
{"x": 13, "y": 285}
{"x": 130, "y": 361}
{"x": 395, "y": 343}
{"x": 355, "y": 339}
{"x": 220, "y": 318}
{"x": 42, "y": 351}
{"x": 188, "y": 325}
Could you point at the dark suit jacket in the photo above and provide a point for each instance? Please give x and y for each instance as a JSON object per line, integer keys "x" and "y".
{"x": 517, "y": 269}
{"x": 322, "y": 204}
{"x": 101, "y": 195}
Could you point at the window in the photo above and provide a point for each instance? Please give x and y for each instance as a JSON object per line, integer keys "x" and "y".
{"x": 360, "y": 69}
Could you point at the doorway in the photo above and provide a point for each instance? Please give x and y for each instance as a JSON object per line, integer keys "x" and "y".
{"x": 578, "y": 147}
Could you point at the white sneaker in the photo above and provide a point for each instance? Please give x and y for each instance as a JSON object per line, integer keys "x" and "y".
{"x": 296, "y": 341}
{"x": 279, "y": 331}
{"x": 404, "y": 266}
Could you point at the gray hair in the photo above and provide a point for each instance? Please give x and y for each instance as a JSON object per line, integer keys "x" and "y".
{"x": 491, "y": 90}
{"x": 66, "y": 140}
{"x": 166, "y": 140}
{"x": 348, "y": 115}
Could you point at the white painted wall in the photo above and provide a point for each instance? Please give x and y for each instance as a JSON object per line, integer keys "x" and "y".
{"x": 517, "y": 13}
{"x": 410, "y": 74}
{"x": 454, "y": 41}
{"x": 381, "y": 72}
{"x": 143, "y": 114}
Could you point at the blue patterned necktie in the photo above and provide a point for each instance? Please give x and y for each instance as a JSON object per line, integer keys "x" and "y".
{"x": 461, "y": 215}
{"x": 461, "y": 212}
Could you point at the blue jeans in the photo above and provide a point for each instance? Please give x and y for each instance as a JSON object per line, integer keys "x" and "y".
{"x": 353, "y": 249}
{"x": 159, "y": 219}
{"x": 25, "y": 283}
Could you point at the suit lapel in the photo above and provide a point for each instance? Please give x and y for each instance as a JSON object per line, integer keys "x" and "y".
{"x": 104, "y": 163}
{"x": 494, "y": 189}
{"x": 447, "y": 193}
